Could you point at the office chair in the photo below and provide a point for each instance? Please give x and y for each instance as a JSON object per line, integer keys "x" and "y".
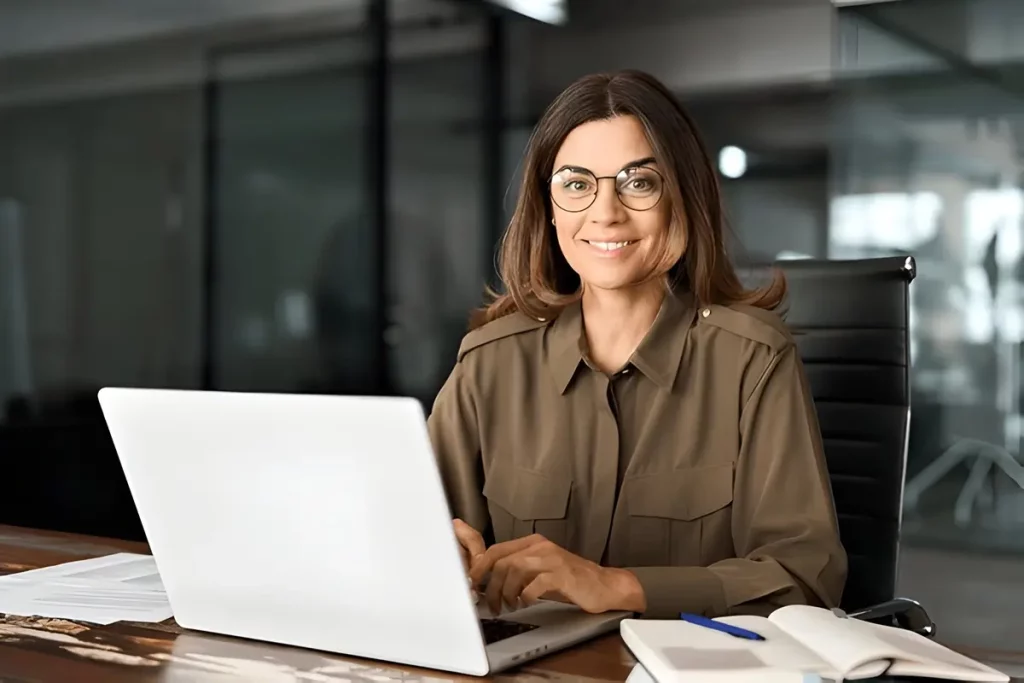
{"x": 850, "y": 322}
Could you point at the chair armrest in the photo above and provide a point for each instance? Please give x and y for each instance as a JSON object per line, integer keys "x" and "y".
{"x": 900, "y": 612}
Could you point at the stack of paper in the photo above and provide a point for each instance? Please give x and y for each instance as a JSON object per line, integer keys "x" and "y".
{"x": 103, "y": 590}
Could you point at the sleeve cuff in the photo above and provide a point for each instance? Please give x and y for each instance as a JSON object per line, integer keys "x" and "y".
{"x": 671, "y": 590}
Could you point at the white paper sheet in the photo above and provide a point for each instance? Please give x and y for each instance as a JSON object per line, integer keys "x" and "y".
{"x": 102, "y": 590}
{"x": 127, "y": 568}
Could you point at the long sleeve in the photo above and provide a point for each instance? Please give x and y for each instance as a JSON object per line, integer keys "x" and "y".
{"x": 452, "y": 426}
{"x": 784, "y": 524}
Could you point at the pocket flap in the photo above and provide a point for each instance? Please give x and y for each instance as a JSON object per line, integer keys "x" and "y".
{"x": 528, "y": 495}
{"x": 684, "y": 494}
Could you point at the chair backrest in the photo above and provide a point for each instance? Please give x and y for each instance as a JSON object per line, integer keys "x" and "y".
{"x": 850, "y": 320}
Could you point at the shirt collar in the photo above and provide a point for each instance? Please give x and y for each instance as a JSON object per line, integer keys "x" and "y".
{"x": 658, "y": 356}
{"x": 565, "y": 348}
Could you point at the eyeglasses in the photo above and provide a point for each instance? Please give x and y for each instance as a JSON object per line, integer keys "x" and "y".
{"x": 575, "y": 189}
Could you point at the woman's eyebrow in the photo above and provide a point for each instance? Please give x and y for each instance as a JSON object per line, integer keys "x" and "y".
{"x": 640, "y": 162}
{"x": 583, "y": 169}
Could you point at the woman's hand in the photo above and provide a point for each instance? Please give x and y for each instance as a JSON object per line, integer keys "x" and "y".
{"x": 524, "y": 570}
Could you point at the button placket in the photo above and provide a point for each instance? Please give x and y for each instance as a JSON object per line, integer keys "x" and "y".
{"x": 605, "y": 463}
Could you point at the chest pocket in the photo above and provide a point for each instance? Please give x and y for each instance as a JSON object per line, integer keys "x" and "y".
{"x": 680, "y": 518}
{"x": 523, "y": 502}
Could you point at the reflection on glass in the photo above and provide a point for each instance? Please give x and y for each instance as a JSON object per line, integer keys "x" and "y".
{"x": 864, "y": 223}
{"x": 100, "y": 284}
{"x": 439, "y": 244}
{"x": 295, "y": 290}
{"x": 15, "y": 345}
{"x": 926, "y": 161}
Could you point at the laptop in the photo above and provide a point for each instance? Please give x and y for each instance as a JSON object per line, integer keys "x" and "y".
{"x": 318, "y": 522}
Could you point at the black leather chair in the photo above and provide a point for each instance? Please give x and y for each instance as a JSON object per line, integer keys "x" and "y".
{"x": 850, "y": 320}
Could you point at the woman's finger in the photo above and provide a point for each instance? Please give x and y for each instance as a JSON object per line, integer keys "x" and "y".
{"x": 483, "y": 564}
{"x": 523, "y": 568}
{"x": 470, "y": 539}
{"x": 496, "y": 585}
{"x": 543, "y": 584}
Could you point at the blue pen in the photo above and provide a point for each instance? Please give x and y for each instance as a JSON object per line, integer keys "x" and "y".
{"x": 719, "y": 626}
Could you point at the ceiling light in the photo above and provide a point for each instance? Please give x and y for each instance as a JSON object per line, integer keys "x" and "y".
{"x": 548, "y": 11}
{"x": 732, "y": 162}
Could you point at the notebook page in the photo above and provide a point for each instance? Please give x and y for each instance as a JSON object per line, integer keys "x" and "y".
{"x": 924, "y": 657}
{"x": 674, "y": 650}
{"x": 779, "y": 650}
{"x": 852, "y": 651}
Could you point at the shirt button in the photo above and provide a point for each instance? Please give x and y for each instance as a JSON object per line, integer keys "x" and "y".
{"x": 706, "y": 312}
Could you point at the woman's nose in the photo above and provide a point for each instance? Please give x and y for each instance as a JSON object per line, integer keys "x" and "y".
{"x": 606, "y": 207}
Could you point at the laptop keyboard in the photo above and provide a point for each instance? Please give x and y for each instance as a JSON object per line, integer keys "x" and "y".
{"x": 500, "y": 629}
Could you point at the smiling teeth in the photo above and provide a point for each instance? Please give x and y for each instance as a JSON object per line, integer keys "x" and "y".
{"x": 610, "y": 246}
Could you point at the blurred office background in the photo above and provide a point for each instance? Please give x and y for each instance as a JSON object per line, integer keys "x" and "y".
{"x": 306, "y": 196}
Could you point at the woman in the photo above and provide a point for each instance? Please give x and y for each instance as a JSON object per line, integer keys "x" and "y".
{"x": 628, "y": 425}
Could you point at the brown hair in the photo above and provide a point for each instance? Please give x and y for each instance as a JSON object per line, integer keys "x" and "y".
{"x": 693, "y": 255}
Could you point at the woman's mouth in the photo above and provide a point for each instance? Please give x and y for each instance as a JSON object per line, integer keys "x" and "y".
{"x": 610, "y": 247}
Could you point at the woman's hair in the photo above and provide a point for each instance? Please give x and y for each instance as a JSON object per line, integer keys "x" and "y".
{"x": 538, "y": 280}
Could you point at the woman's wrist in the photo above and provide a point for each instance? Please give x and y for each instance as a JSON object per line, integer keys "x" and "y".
{"x": 627, "y": 592}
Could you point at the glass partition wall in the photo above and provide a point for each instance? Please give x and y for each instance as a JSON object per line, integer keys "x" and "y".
{"x": 295, "y": 206}
{"x": 926, "y": 159}
{"x": 346, "y": 256}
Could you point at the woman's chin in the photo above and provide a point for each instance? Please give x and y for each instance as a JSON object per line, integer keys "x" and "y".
{"x": 617, "y": 281}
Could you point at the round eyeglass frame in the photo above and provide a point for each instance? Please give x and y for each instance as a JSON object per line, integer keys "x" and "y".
{"x": 597, "y": 186}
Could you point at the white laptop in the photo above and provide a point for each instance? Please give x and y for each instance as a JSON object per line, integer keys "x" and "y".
{"x": 318, "y": 522}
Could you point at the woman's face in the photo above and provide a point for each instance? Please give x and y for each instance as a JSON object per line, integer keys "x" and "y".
{"x": 608, "y": 238}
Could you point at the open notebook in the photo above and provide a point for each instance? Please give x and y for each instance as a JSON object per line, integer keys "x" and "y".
{"x": 797, "y": 639}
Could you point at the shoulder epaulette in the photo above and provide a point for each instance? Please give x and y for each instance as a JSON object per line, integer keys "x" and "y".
{"x": 749, "y": 322}
{"x": 505, "y": 326}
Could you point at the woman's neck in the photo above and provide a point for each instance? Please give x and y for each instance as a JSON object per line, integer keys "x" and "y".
{"x": 616, "y": 321}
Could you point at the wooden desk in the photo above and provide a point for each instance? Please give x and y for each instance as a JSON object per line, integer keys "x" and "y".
{"x": 44, "y": 650}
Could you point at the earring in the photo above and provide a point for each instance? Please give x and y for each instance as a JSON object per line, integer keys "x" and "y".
{"x": 553, "y": 222}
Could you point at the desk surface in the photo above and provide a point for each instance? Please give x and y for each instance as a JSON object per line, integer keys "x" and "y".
{"x": 45, "y": 650}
